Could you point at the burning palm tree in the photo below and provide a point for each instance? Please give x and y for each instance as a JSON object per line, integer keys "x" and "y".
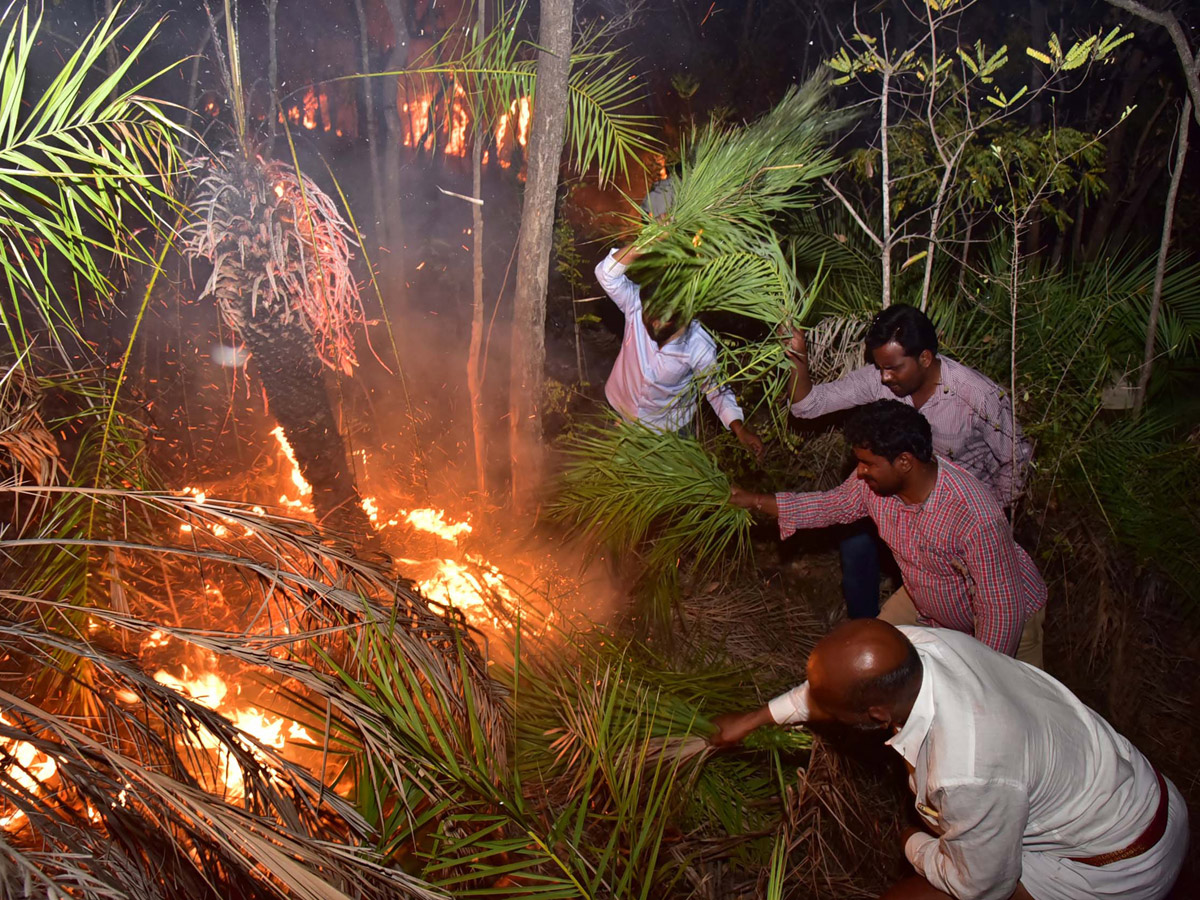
{"x": 281, "y": 279}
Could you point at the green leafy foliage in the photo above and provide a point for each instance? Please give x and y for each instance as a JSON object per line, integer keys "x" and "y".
{"x": 85, "y": 165}
{"x": 717, "y": 249}
{"x": 644, "y": 491}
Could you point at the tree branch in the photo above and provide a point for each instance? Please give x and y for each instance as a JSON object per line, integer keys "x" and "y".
{"x": 1190, "y": 61}
{"x": 853, "y": 213}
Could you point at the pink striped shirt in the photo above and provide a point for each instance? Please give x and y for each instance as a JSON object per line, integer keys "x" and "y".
{"x": 969, "y": 414}
{"x": 956, "y": 552}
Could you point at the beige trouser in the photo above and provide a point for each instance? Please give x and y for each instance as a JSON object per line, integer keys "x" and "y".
{"x": 898, "y": 609}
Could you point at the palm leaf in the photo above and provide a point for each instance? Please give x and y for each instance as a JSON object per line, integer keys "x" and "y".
{"x": 74, "y": 157}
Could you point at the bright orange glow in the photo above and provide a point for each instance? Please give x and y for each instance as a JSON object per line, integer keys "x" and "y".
{"x": 418, "y": 120}
{"x": 456, "y": 142}
{"x": 303, "y": 488}
{"x": 474, "y": 587}
{"x": 523, "y": 119}
{"x": 434, "y": 522}
{"x": 311, "y": 109}
{"x": 30, "y": 768}
{"x": 323, "y": 107}
{"x": 209, "y": 690}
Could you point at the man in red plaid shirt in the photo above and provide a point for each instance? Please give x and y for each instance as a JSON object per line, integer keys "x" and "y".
{"x": 961, "y": 567}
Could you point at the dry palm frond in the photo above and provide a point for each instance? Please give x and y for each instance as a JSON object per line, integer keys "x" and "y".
{"x": 733, "y": 186}
{"x": 145, "y": 757}
{"x": 139, "y": 791}
{"x": 31, "y": 449}
{"x": 637, "y": 489}
{"x": 280, "y": 249}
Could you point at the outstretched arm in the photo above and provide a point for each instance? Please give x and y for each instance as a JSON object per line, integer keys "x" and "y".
{"x": 819, "y": 509}
{"x": 790, "y": 708}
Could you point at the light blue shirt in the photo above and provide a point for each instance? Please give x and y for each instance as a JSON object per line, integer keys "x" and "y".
{"x": 651, "y": 384}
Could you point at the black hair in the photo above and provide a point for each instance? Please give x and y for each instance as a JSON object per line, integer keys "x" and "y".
{"x": 888, "y": 687}
{"x": 888, "y": 428}
{"x": 904, "y": 325}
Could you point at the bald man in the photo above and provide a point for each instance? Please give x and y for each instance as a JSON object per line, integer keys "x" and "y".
{"x": 1024, "y": 792}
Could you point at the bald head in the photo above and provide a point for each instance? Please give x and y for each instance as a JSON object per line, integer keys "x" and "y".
{"x": 865, "y": 673}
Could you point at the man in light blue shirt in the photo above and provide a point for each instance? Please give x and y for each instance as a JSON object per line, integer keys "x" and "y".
{"x": 652, "y": 377}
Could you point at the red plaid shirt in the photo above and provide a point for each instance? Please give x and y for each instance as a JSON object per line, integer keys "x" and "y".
{"x": 956, "y": 552}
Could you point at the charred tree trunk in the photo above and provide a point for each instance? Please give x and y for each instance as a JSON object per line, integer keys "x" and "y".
{"x": 293, "y": 380}
{"x": 533, "y": 252}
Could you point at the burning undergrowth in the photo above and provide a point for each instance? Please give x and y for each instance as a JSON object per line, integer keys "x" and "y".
{"x": 219, "y": 684}
{"x": 191, "y": 750}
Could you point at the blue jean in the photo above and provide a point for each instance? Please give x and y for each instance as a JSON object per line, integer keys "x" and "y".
{"x": 860, "y": 571}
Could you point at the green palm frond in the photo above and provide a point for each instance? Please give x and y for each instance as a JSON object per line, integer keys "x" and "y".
{"x": 757, "y": 282}
{"x": 734, "y": 185}
{"x": 627, "y": 485}
{"x": 83, "y": 166}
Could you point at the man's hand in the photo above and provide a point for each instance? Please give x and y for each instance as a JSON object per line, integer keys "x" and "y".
{"x": 742, "y": 497}
{"x": 795, "y": 346}
{"x": 763, "y": 503}
{"x": 733, "y": 727}
{"x": 748, "y": 439}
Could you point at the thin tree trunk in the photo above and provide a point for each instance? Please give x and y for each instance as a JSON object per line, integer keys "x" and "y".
{"x": 474, "y": 354}
{"x": 966, "y": 255}
{"x": 1014, "y": 285}
{"x": 886, "y": 232}
{"x": 533, "y": 251}
{"x": 368, "y": 87}
{"x": 394, "y": 225}
{"x": 1164, "y": 246}
{"x": 272, "y": 69}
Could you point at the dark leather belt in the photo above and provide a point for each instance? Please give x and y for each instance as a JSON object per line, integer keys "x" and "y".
{"x": 1144, "y": 841}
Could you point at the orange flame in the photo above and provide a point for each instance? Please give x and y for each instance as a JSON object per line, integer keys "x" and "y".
{"x": 311, "y": 108}
{"x": 456, "y": 142}
{"x": 210, "y": 690}
{"x": 434, "y": 522}
{"x": 30, "y": 768}
{"x": 302, "y": 486}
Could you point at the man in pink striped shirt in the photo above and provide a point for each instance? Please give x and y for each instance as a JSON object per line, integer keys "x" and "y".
{"x": 970, "y": 415}
{"x": 961, "y": 567}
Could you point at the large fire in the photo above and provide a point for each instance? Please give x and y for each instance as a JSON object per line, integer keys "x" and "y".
{"x": 423, "y": 116}
{"x": 445, "y": 572}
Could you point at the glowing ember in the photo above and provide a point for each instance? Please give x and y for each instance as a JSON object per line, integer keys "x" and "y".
{"x": 27, "y": 766}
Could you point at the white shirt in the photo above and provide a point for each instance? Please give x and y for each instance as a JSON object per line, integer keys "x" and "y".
{"x": 1005, "y": 762}
{"x": 650, "y": 384}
